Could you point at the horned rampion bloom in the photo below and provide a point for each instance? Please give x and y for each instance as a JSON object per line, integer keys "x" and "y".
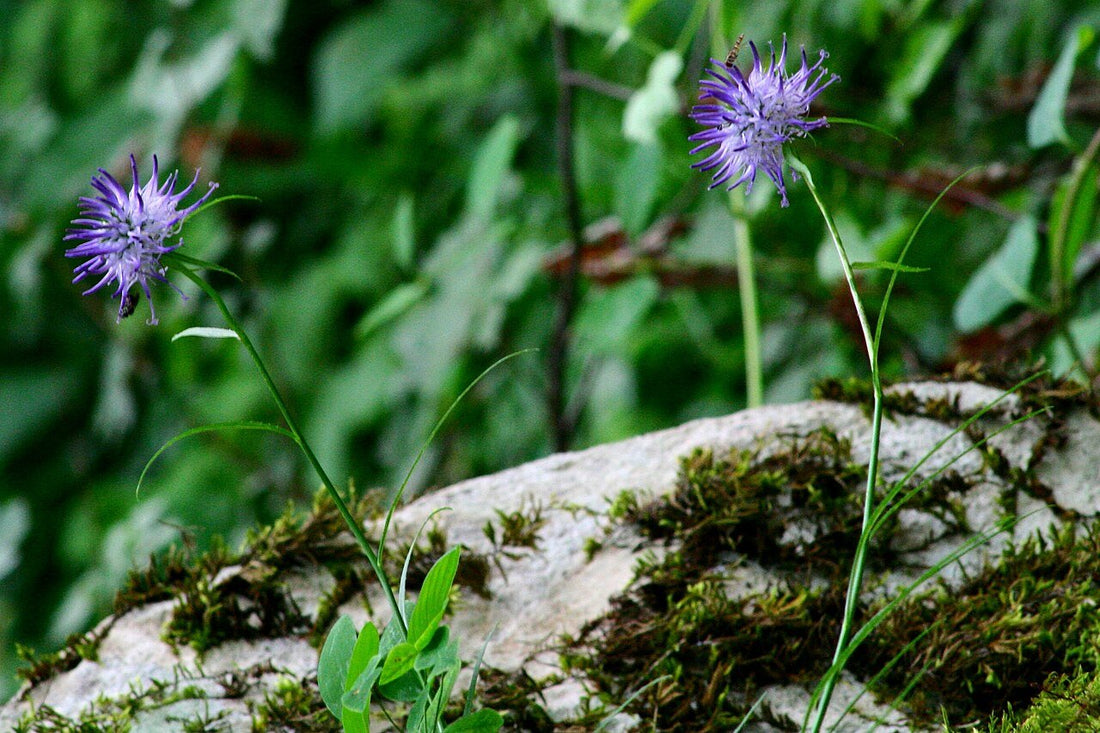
{"x": 123, "y": 234}
{"x": 749, "y": 118}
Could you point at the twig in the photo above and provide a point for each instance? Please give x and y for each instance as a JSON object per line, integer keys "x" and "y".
{"x": 563, "y": 424}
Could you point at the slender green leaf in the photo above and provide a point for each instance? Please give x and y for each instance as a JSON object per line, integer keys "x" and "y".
{"x": 471, "y": 691}
{"x": 332, "y": 666}
{"x": 435, "y": 430}
{"x": 179, "y": 257}
{"x": 885, "y": 265}
{"x": 235, "y": 425}
{"x": 1081, "y": 199}
{"x": 432, "y": 601}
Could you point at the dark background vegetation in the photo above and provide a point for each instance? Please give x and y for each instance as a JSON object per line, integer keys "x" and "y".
{"x": 411, "y": 229}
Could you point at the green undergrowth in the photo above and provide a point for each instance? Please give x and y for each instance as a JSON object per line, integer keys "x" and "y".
{"x": 1025, "y": 624}
{"x": 222, "y": 596}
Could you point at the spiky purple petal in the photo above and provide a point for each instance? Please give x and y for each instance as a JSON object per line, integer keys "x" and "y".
{"x": 748, "y": 119}
{"x": 123, "y": 234}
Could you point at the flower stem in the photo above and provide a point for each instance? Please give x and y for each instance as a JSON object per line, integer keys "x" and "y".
{"x": 750, "y": 315}
{"x": 341, "y": 506}
{"x": 855, "y": 579}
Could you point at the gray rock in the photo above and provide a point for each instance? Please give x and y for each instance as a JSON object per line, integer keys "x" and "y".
{"x": 561, "y": 585}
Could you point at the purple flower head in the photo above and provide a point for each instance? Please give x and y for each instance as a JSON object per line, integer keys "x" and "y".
{"x": 749, "y": 118}
{"x": 123, "y": 235}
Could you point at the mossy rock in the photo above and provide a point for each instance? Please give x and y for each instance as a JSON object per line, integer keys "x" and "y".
{"x": 682, "y": 572}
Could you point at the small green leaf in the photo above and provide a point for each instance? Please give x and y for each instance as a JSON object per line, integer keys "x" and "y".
{"x": 658, "y": 100}
{"x": 432, "y": 601}
{"x": 1046, "y": 123}
{"x": 399, "y": 661}
{"x": 491, "y": 166}
{"x": 482, "y": 721}
{"x": 1001, "y": 281}
{"x": 884, "y": 265}
{"x": 357, "y": 697}
{"x": 406, "y": 688}
{"x": 440, "y": 653}
{"x": 391, "y": 307}
{"x": 366, "y": 648}
{"x": 332, "y": 666}
{"x": 207, "y": 332}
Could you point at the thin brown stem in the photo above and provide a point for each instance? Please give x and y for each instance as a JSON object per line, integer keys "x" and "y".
{"x": 562, "y": 421}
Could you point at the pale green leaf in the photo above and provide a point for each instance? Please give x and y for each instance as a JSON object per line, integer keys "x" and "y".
{"x": 1003, "y": 279}
{"x": 207, "y": 332}
{"x": 648, "y": 107}
{"x": 1046, "y": 123}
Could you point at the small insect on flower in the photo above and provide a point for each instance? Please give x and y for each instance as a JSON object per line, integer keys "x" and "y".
{"x": 749, "y": 117}
{"x": 123, "y": 234}
{"x": 129, "y": 303}
{"x": 732, "y": 56}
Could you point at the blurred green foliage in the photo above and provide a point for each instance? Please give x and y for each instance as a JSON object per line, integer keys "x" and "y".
{"x": 410, "y": 212}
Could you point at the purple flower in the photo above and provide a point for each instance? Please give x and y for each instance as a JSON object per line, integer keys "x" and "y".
{"x": 751, "y": 117}
{"x": 124, "y": 234}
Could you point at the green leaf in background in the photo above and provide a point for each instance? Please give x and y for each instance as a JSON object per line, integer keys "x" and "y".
{"x": 332, "y": 666}
{"x": 491, "y": 166}
{"x": 432, "y": 601}
{"x": 404, "y": 233}
{"x": 636, "y": 187}
{"x": 1046, "y": 123}
{"x": 481, "y": 721}
{"x": 658, "y": 100}
{"x": 596, "y": 16}
{"x": 925, "y": 50}
{"x": 363, "y": 56}
{"x": 1077, "y": 222}
{"x": 15, "y": 518}
{"x": 608, "y": 316}
{"x": 1002, "y": 280}
{"x": 391, "y": 307}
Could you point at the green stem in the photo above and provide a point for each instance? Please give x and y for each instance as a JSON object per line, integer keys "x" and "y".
{"x": 855, "y": 580}
{"x": 750, "y": 315}
{"x": 341, "y": 505}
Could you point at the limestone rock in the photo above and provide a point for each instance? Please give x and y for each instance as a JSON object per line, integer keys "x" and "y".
{"x": 580, "y": 560}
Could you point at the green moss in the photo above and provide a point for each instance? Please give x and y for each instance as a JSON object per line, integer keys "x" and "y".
{"x": 78, "y": 647}
{"x": 294, "y": 706}
{"x": 993, "y": 641}
{"x": 1068, "y": 702}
